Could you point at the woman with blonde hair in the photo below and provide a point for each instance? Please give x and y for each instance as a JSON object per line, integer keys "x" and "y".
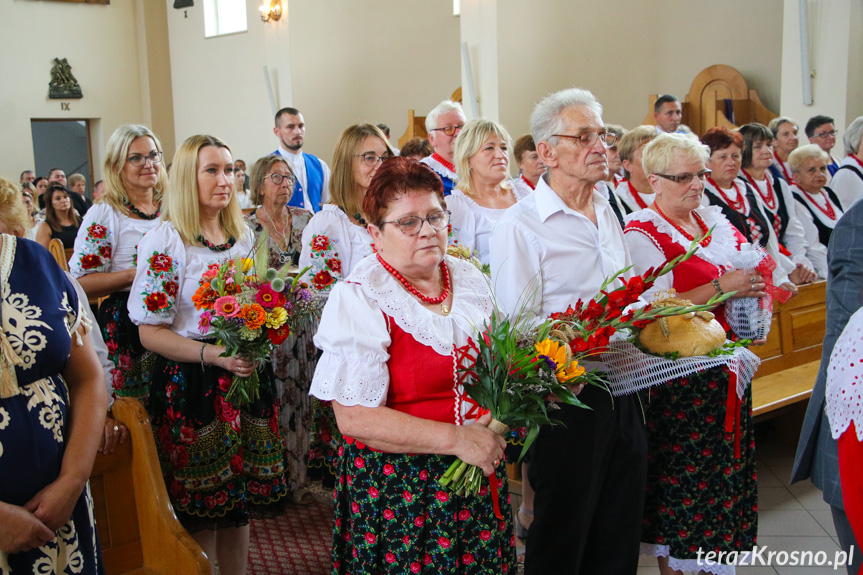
{"x": 483, "y": 191}
{"x": 61, "y": 219}
{"x": 272, "y": 183}
{"x": 222, "y": 464}
{"x": 634, "y": 191}
{"x": 334, "y": 242}
{"x": 106, "y": 250}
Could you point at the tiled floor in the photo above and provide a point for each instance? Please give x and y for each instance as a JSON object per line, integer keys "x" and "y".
{"x": 790, "y": 517}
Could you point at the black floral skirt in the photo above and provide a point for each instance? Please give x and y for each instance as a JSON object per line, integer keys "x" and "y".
{"x": 392, "y": 516}
{"x": 699, "y": 495}
{"x": 222, "y": 464}
{"x": 133, "y": 364}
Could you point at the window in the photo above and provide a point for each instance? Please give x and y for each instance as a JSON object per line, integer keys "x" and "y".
{"x": 224, "y": 17}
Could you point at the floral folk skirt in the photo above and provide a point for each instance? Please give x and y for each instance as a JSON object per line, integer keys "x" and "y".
{"x": 699, "y": 495}
{"x": 392, "y": 516}
{"x": 222, "y": 464}
{"x": 133, "y": 364}
{"x": 324, "y": 443}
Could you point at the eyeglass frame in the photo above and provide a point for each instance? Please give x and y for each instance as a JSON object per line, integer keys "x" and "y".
{"x": 281, "y": 178}
{"x": 378, "y": 159}
{"x": 452, "y": 129}
{"x": 422, "y": 220}
{"x": 827, "y": 134}
{"x": 592, "y": 136}
{"x": 155, "y": 157}
{"x": 687, "y": 176}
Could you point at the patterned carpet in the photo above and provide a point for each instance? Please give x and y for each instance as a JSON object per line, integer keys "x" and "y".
{"x": 298, "y": 542}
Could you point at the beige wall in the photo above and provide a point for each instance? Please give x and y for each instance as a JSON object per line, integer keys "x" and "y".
{"x": 370, "y": 61}
{"x": 625, "y": 51}
{"x": 101, "y": 45}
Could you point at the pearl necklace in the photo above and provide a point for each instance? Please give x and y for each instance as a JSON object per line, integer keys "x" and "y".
{"x": 701, "y": 225}
{"x": 422, "y": 297}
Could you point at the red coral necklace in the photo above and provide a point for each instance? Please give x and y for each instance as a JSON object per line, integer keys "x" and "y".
{"x": 424, "y": 298}
{"x": 444, "y": 162}
{"x": 637, "y": 195}
{"x": 739, "y": 201}
{"x": 701, "y": 225}
{"x": 770, "y": 200}
{"x": 827, "y": 210}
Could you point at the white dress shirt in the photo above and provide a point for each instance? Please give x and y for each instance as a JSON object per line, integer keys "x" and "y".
{"x": 298, "y": 167}
{"x": 545, "y": 256}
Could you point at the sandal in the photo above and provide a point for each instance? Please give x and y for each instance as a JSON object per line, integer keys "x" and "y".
{"x": 521, "y": 530}
{"x": 302, "y": 497}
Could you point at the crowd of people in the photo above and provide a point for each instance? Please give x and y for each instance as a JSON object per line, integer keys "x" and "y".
{"x": 367, "y": 396}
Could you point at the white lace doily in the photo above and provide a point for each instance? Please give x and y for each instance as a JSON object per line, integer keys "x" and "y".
{"x": 631, "y": 370}
{"x": 844, "y": 395}
{"x": 686, "y": 565}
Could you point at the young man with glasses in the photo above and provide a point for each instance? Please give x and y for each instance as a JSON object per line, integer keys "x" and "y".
{"x": 549, "y": 250}
{"x": 312, "y": 175}
{"x": 443, "y": 125}
{"x": 821, "y": 131}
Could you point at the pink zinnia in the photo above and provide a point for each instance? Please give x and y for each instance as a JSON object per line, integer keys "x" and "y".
{"x": 204, "y": 322}
{"x": 227, "y": 306}
{"x": 268, "y": 297}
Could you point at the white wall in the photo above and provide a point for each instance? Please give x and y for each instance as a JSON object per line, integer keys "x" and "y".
{"x": 624, "y": 51}
{"x": 100, "y": 43}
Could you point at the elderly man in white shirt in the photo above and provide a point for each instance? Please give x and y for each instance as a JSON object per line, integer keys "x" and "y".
{"x": 589, "y": 475}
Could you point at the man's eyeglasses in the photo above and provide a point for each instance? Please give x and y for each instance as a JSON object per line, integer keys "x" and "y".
{"x": 372, "y": 159}
{"x": 279, "y": 178}
{"x": 411, "y": 225}
{"x": 588, "y": 139}
{"x": 687, "y": 177}
{"x": 826, "y": 134}
{"x": 449, "y": 130}
{"x": 139, "y": 160}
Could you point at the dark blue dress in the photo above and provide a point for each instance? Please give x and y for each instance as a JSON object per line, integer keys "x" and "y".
{"x": 39, "y": 315}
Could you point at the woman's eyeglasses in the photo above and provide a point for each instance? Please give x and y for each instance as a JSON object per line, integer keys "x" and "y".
{"x": 279, "y": 178}
{"x": 139, "y": 160}
{"x": 371, "y": 159}
{"x": 687, "y": 177}
{"x": 411, "y": 225}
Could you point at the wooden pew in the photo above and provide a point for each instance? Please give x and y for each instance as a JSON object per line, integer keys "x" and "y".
{"x": 792, "y": 354}
{"x": 138, "y": 531}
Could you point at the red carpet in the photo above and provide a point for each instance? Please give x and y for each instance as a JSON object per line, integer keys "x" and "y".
{"x": 298, "y": 542}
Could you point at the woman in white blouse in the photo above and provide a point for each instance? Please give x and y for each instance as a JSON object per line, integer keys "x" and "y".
{"x": 776, "y": 202}
{"x": 222, "y": 464}
{"x": 817, "y": 206}
{"x": 336, "y": 239}
{"x": 634, "y": 191}
{"x": 389, "y": 337}
{"x": 483, "y": 191}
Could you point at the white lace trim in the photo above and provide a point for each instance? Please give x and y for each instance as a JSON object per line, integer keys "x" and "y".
{"x": 686, "y": 565}
{"x": 338, "y": 379}
{"x": 720, "y": 249}
{"x": 844, "y": 394}
{"x": 439, "y": 168}
{"x": 472, "y": 303}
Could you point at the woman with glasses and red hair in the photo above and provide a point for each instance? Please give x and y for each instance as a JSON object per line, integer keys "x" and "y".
{"x": 389, "y": 336}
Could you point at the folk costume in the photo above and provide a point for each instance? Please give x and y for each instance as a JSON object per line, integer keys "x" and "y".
{"x": 471, "y": 223}
{"x": 819, "y": 214}
{"x": 444, "y": 169}
{"x": 311, "y": 180}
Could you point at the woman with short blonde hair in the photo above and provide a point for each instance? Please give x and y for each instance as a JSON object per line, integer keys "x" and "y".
{"x": 634, "y": 191}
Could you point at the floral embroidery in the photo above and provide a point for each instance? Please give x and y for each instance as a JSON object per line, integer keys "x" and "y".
{"x": 326, "y": 264}
{"x": 97, "y": 250}
{"x": 160, "y": 288}
{"x": 26, "y": 339}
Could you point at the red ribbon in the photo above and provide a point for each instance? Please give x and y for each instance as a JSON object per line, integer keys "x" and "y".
{"x": 492, "y": 481}
{"x": 765, "y": 267}
{"x": 732, "y": 413}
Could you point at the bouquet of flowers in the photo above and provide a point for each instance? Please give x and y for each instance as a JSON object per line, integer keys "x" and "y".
{"x": 250, "y": 308}
{"x": 515, "y": 369}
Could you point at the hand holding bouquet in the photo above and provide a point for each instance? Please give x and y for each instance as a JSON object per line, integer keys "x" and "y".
{"x": 250, "y": 308}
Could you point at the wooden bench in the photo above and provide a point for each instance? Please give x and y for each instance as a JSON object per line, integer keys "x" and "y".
{"x": 138, "y": 531}
{"x": 792, "y": 354}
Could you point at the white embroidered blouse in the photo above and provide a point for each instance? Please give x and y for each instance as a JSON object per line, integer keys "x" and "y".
{"x": 168, "y": 275}
{"x": 332, "y": 246}
{"x": 107, "y": 241}
{"x": 353, "y": 332}
{"x": 472, "y": 223}
{"x": 844, "y": 394}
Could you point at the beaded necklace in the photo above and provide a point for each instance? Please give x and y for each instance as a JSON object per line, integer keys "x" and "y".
{"x": 782, "y": 167}
{"x": 424, "y": 298}
{"x": 444, "y": 162}
{"x": 770, "y": 200}
{"x": 701, "y": 225}
{"x": 526, "y": 181}
{"x": 827, "y": 210}
{"x": 141, "y": 214}
{"x": 360, "y": 219}
{"x": 217, "y": 248}
{"x": 636, "y": 195}
{"x": 739, "y": 201}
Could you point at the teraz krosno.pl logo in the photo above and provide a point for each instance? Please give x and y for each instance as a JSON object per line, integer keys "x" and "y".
{"x": 764, "y": 556}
